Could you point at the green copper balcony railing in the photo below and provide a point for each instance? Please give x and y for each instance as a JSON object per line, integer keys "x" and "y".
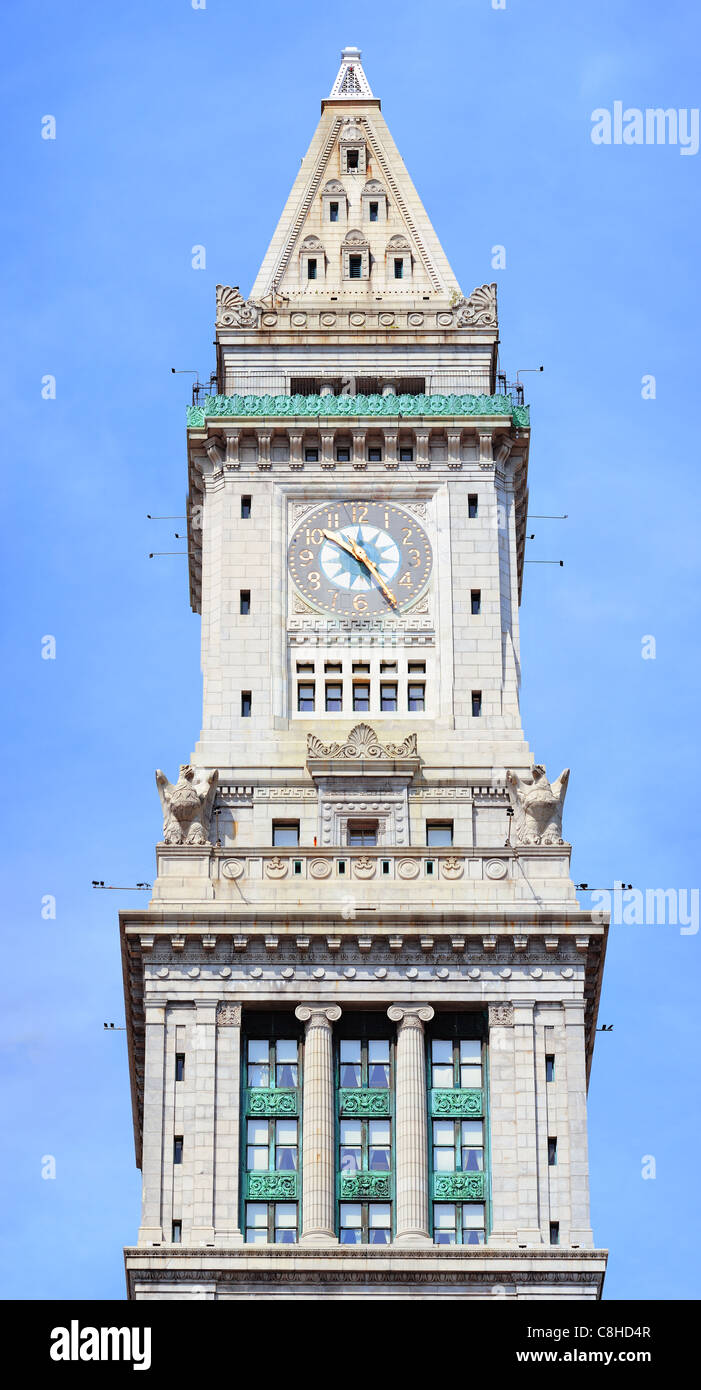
{"x": 219, "y": 407}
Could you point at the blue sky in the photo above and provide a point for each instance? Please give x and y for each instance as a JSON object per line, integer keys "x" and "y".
{"x": 178, "y": 127}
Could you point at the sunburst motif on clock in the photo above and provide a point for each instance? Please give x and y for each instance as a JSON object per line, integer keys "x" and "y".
{"x": 360, "y": 557}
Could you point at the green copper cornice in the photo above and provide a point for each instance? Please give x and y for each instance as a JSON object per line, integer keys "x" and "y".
{"x": 391, "y": 407}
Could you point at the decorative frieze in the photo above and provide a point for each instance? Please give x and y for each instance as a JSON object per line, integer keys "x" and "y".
{"x": 459, "y": 1187}
{"x": 364, "y": 1103}
{"x": 272, "y": 1102}
{"x": 356, "y": 1186}
{"x": 272, "y": 1187}
{"x": 464, "y": 1104}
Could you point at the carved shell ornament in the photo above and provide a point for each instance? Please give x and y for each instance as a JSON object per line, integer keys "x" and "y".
{"x": 362, "y": 742}
{"x": 233, "y": 311}
{"x": 479, "y": 310}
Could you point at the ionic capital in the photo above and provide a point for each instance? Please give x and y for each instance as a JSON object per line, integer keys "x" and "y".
{"x": 410, "y": 1017}
{"x": 317, "y": 1015}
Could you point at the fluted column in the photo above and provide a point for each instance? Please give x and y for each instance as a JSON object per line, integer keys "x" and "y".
{"x": 411, "y": 1139}
{"x": 318, "y": 1165}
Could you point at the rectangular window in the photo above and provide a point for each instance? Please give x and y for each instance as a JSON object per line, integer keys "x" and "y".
{"x": 178, "y": 1148}
{"x": 311, "y": 269}
{"x": 177, "y": 1233}
{"x": 386, "y": 666}
{"x": 355, "y": 267}
{"x": 333, "y": 666}
{"x": 457, "y": 1144}
{"x": 334, "y": 697}
{"x": 245, "y": 704}
{"x": 341, "y": 866}
{"x": 374, "y": 211}
{"x": 352, "y": 159}
{"x": 362, "y": 833}
{"x": 180, "y": 1066}
{"x": 361, "y": 697}
{"x": 550, "y": 1067}
{"x": 365, "y": 1141}
{"x": 333, "y": 212}
{"x": 406, "y": 454}
{"x": 285, "y": 832}
{"x": 385, "y": 866}
{"x": 271, "y": 1134}
{"x": 439, "y": 833}
{"x": 475, "y": 600}
{"x": 388, "y": 697}
{"x": 365, "y": 1223}
{"x": 456, "y": 1064}
{"x": 429, "y": 867}
{"x": 271, "y": 1223}
{"x": 399, "y": 267}
{"x": 374, "y": 455}
{"x": 472, "y": 504}
{"x": 245, "y": 508}
{"x": 554, "y": 1232}
{"x": 244, "y": 601}
{"x": 342, "y": 454}
{"x": 360, "y": 667}
{"x": 476, "y": 703}
{"x": 416, "y": 696}
{"x": 417, "y": 668}
{"x": 311, "y": 455}
{"x": 552, "y": 1152}
{"x": 305, "y": 697}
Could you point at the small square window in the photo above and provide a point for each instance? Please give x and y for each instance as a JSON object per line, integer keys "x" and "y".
{"x": 245, "y": 601}
{"x": 374, "y": 455}
{"x": 305, "y": 668}
{"x": 362, "y": 833}
{"x": 361, "y": 668}
{"x": 472, "y": 504}
{"x": 311, "y": 455}
{"x": 388, "y": 697}
{"x": 361, "y": 697}
{"x": 406, "y": 454}
{"x": 416, "y": 696}
{"x": 245, "y": 508}
{"x": 374, "y": 211}
{"x": 333, "y": 666}
{"x": 311, "y": 268}
{"x": 552, "y": 1152}
{"x": 476, "y": 703}
{"x": 355, "y": 267}
{"x": 333, "y": 212}
{"x": 178, "y": 1148}
{"x": 387, "y": 666}
{"x": 246, "y": 704}
{"x": 439, "y": 833}
{"x": 550, "y": 1067}
{"x": 334, "y": 697}
{"x": 475, "y": 601}
{"x": 180, "y": 1066}
{"x": 285, "y": 833}
{"x": 399, "y": 267}
{"x": 417, "y": 668}
{"x": 343, "y": 454}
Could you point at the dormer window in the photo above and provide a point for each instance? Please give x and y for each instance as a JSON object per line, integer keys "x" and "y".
{"x": 333, "y": 201}
{"x": 398, "y": 259}
{"x": 352, "y": 147}
{"x": 356, "y": 257}
{"x": 312, "y": 261}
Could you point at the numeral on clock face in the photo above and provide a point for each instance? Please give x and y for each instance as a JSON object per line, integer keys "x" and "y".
{"x": 360, "y": 558}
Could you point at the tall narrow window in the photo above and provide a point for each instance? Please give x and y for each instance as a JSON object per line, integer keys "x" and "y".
{"x": 244, "y": 601}
{"x": 374, "y": 211}
{"x": 554, "y": 1232}
{"x": 355, "y": 267}
{"x": 180, "y": 1066}
{"x": 245, "y": 704}
{"x": 245, "y": 508}
{"x": 352, "y": 159}
{"x": 334, "y": 697}
{"x": 457, "y": 1133}
{"x": 550, "y": 1067}
{"x": 388, "y": 697}
{"x": 476, "y": 703}
{"x": 365, "y": 1139}
{"x": 416, "y": 696}
{"x": 472, "y": 504}
{"x": 311, "y": 268}
{"x": 399, "y": 267}
{"x": 178, "y": 1148}
{"x": 271, "y": 1139}
{"x": 475, "y": 601}
{"x": 361, "y": 696}
{"x": 305, "y": 697}
{"x": 177, "y": 1233}
{"x": 333, "y": 212}
{"x": 552, "y": 1152}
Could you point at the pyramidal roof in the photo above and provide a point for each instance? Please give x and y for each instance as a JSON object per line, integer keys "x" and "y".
{"x": 353, "y": 197}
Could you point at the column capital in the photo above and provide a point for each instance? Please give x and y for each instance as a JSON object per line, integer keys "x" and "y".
{"x": 410, "y": 1017}
{"x": 318, "y": 1015}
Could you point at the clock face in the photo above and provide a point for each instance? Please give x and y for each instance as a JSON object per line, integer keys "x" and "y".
{"x": 360, "y": 557}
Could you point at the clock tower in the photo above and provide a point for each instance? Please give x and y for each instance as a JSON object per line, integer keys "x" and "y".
{"x": 361, "y": 1003}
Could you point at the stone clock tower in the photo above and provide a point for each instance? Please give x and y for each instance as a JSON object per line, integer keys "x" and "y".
{"x": 361, "y": 1002}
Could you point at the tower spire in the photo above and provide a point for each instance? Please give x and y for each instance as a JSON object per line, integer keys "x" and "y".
{"x": 351, "y": 80}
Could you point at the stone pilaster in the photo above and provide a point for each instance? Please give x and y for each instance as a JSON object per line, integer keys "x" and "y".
{"x": 411, "y": 1139}
{"x": 151, "y": 1228}
{"x": 580, "y": 1222}
{"x": 502, "y": 1105}
{"x": 226, "y": 1126}
{"x": 526, "y": 1134}
{"x": 202, "y": 1140}
{"x": 318, "y": 1166}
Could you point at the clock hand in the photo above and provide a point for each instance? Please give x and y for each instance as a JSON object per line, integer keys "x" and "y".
{"x": 358, "y": 553}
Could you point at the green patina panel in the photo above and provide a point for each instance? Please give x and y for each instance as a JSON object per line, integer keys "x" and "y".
{"x": 218, "y": 407}
{"x": 457, "y": 1104}
{"x": 272, "y": 1102}
{"x": 458, "y": 1187}
{"x": 357, "y": 1102}
{"x": 357, "y": 1186}
{"x": 272, "y": 1187}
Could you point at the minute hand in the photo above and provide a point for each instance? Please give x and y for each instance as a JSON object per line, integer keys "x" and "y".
{"x": 358, "y": 553}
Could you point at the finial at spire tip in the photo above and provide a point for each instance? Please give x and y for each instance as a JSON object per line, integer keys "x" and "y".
{"x": 351, "y": 80}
